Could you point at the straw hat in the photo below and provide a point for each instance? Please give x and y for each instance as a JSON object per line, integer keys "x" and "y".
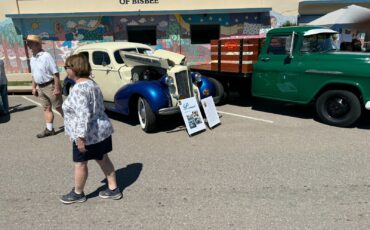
{"x": 34, "y": 38}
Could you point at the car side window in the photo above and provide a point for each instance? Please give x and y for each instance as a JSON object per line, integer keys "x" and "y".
{"x": 279, "y": 45}
{"x": 118, "y": 57}
{"x": 101, "y": 58}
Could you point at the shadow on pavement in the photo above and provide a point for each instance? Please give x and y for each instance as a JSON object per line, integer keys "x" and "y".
{"x": 18, "y": 108}
{"x": 169, "y": 124}
{"x": 290, "y": 109}
{"x": 125, "y": 177}
{"x": 131, "y": 120}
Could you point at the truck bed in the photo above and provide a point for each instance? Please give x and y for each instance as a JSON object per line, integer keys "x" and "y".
{"x": 232, "y": 56}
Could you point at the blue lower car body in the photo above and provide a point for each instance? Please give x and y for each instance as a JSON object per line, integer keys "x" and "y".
{"x": 156, "y": 93}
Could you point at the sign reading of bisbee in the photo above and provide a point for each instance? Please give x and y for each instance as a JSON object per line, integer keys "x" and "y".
{"x": 138, "y": 2}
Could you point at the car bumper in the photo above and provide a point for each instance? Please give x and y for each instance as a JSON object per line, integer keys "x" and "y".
{"x": 169, "y": 111}
{"x": 176, "y": 110}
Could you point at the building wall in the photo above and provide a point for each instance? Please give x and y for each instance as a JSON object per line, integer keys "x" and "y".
{"x": 63, "y": 34}
{"x": 67, "y": 6}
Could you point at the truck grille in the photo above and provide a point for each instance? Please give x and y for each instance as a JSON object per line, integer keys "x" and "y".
{"x": 184, "y": 85}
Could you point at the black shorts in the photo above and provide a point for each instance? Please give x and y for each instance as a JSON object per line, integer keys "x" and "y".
{"x": 94, "y": 151}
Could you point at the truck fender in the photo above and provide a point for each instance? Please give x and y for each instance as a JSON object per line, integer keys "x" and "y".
{"x": 156, "y": 94}
{"x": 342, "y": 85}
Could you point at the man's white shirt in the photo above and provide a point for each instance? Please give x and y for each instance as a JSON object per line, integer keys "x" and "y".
{"x": 43, "y": 67}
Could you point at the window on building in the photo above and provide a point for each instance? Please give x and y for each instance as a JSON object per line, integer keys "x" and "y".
{"x": 203, "y": 34}
{"x": 142, "y": 34}
{"x": 101, "y": 58}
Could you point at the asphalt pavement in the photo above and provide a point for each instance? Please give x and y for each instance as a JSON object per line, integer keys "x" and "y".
{"x": 267, "y": 166}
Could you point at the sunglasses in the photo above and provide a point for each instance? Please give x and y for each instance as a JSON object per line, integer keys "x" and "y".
{"x": 67, "y": 67}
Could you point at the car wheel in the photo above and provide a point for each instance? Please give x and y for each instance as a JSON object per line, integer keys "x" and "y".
{"x": 146, "y": 116}
{"x": 220, "y": 91}
{"x": 338, "y": 107}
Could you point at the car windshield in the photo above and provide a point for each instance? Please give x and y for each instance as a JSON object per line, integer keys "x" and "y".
{"x": 119, "y": 59}
{"x": 319, "y": 43}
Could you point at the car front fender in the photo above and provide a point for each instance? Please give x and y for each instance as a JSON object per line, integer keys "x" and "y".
{"x": 206, "y": 88}
{"x": 154, "y": 92}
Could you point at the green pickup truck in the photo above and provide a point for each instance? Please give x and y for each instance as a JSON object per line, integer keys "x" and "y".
{"x": 302, "y": 65}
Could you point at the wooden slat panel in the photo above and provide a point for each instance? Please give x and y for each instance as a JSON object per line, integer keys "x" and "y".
{"x": 250, "y": 48}
{"x": 214, "y": 49}
{"x": 230, "y": 49}
{"x": 236, "y": 41}
{"x": 247, "y": 68}
{"x": 214, "y": 42}
{"x": 251, "y": 41}
{"x": 214, "y": 66}
{"x": 250, "y": 57}
{"x": 214, "y": 57}
{"x": 230, "y": 57}
{"x": 230, "y": 68}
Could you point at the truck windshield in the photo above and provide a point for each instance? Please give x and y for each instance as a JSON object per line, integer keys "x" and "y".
{"x": 319, "y": 43}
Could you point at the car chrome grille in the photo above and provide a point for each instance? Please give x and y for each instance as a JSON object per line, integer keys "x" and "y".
{"x": 184, "y": 85}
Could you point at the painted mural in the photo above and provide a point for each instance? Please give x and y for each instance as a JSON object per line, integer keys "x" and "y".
{"x": 173, "y": 31}
{"x": 63, "y": 35}
{"x": 12, "y": 50}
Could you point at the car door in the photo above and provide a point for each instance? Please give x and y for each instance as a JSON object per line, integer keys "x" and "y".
{"x": 275, "y": 75}
{"x": 105, "y": 74}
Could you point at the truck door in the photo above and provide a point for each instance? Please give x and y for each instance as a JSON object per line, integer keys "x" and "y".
{"x": 274, "y": 74}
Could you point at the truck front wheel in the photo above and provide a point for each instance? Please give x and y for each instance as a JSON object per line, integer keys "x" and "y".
{"x": 338, "y": 107}
{"x": 146, "y": 116}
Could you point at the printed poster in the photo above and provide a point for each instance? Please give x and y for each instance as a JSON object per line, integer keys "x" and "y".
{"x": 192, "y": 116}
{"x": 209, "y": 108}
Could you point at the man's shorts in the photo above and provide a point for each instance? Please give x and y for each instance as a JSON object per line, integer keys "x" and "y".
{"x": 47, "y": 97}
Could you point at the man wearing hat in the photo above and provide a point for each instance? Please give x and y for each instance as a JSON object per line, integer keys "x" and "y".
{"x": 45, "y": 77}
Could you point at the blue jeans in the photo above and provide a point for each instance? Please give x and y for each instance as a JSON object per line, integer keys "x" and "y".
{"x": 4, "y": 104}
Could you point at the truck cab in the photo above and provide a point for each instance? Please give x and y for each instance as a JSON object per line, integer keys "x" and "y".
{"x": 302, "y": 65}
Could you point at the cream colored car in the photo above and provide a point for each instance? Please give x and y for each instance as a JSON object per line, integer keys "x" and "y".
{"x": 135, "y": 79}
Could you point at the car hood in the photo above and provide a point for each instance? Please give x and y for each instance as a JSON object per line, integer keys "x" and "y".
{"x": 176, "y": 58}
{"x": 135, "y": 59}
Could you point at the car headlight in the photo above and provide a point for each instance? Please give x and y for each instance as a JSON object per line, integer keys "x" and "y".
{"x": 171, "y": 84}
{"x": 169, "y": 81}
{"x": 135, "y": 77}
{"x": 197, "y": 77}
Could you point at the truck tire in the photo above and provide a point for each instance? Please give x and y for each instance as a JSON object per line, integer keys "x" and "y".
{"x": 338, "y": 107}
{"x": 146, "y": 116}
{"x": 220, "y": 91}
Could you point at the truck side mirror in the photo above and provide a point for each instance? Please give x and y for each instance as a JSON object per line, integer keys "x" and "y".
{"x": 290, "y": 54}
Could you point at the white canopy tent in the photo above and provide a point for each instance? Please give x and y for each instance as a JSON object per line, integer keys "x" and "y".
{"x": 349, "y": 15}
{"x": 353, "y": 18}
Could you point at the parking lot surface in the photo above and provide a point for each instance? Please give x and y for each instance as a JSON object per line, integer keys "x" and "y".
{"x": 267, "y": 166}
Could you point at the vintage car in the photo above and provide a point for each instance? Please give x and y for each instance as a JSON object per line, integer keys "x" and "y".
{"x": 135, "y": 79}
